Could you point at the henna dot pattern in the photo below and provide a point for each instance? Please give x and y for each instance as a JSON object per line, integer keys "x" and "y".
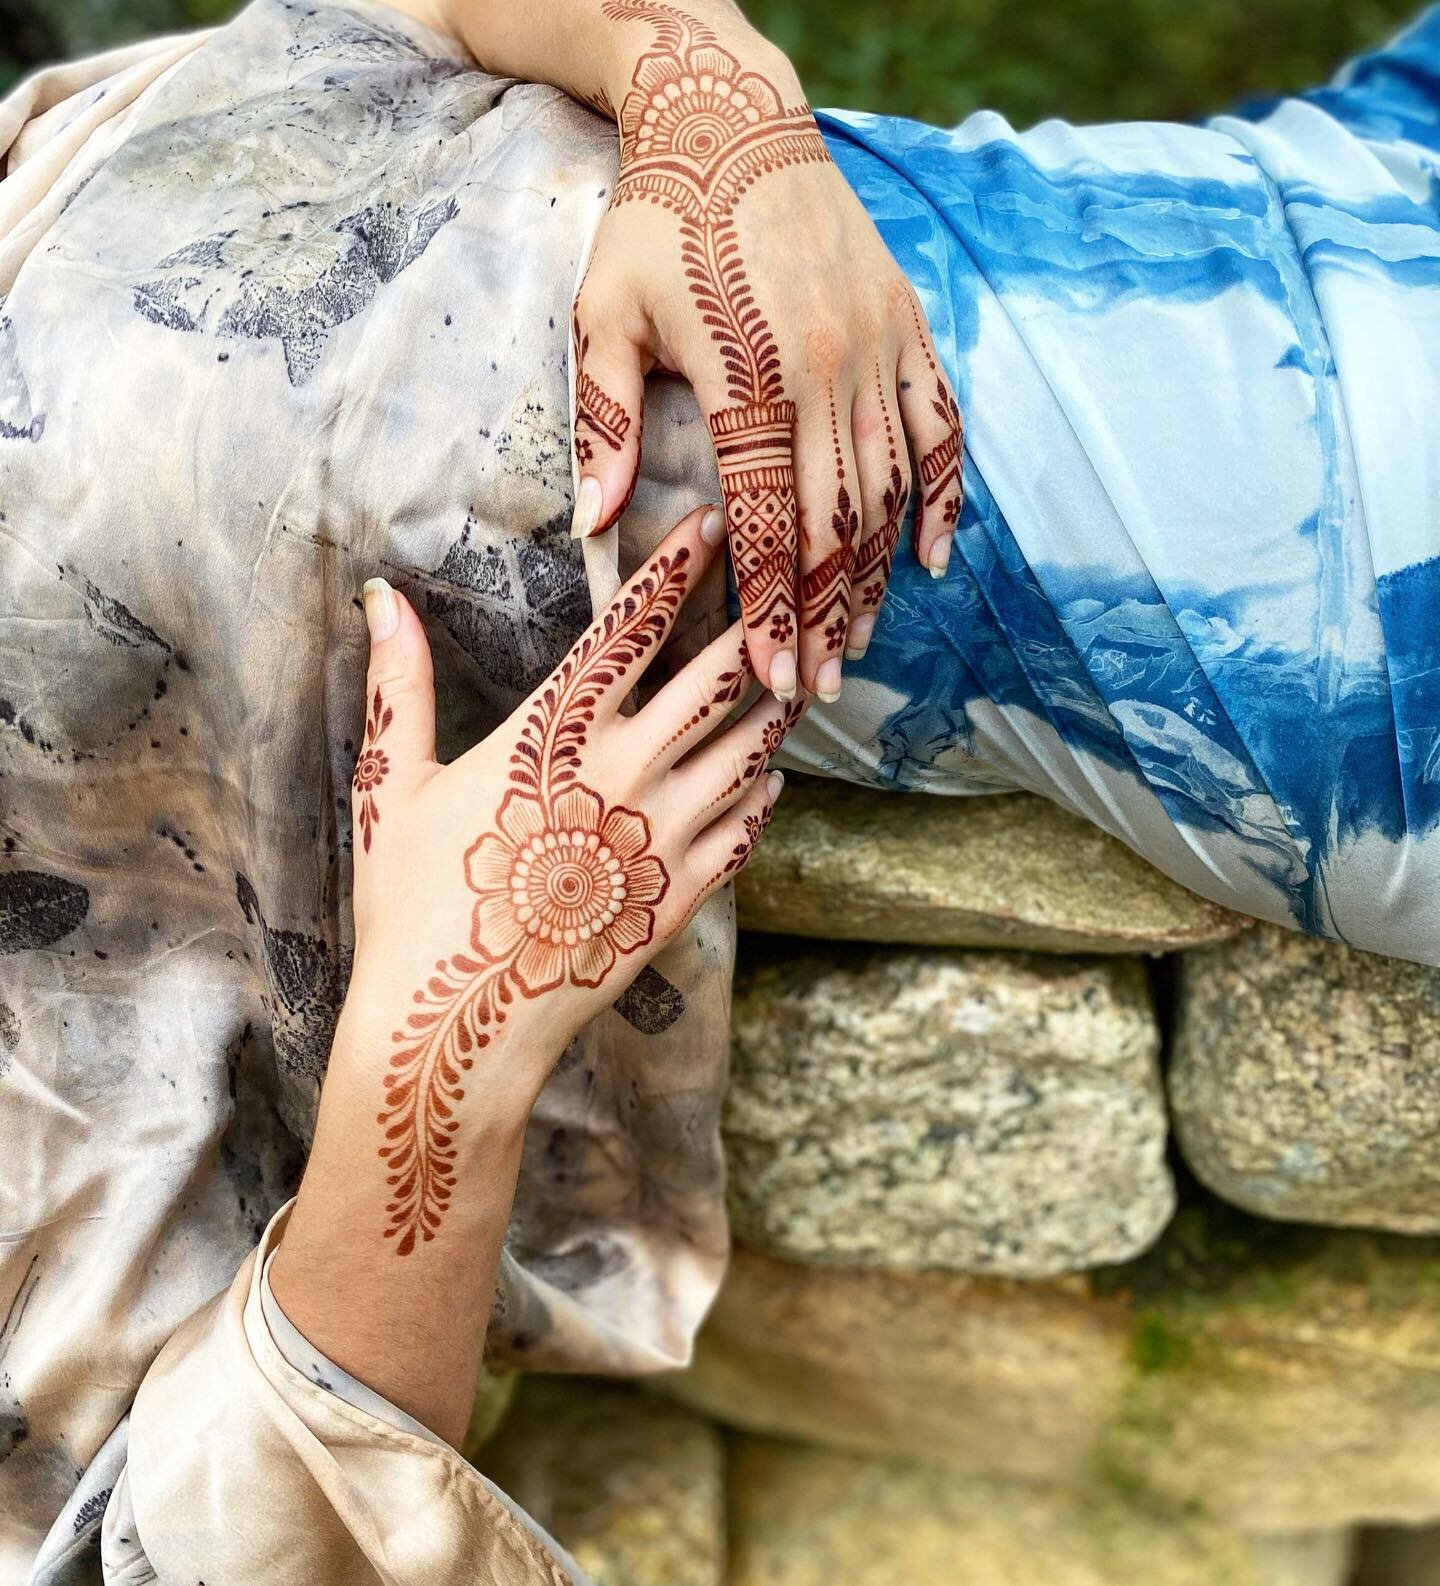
{"x": 372, "y": 767}
{"x": 877, "y": 550}
{"x": 564, "y": 886}
{"x": 825, "y": 589}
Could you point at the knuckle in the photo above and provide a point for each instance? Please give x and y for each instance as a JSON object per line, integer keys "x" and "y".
{"x": 825, "y": 343}
{"x": 393, "y": 678}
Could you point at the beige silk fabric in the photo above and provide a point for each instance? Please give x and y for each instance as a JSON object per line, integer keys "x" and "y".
{"x": 281, "y": 307}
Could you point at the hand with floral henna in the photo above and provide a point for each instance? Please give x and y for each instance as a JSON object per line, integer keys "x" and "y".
{"x": 733, "y": 253}
{"x": 502, "y": 901}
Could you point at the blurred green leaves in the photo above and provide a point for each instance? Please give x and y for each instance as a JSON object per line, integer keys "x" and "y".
{"x": 1084, "y": 60}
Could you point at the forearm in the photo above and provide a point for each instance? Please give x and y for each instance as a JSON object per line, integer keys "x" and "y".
{"x": 413, "y": 1330}
{"x": 574, "y": 45}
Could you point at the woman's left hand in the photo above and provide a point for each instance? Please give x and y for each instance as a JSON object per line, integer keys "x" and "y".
{"x": 735, "y": 254}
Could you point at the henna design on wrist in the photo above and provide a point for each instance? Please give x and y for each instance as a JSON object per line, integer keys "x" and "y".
{"x": 371, "y": 768}
{"x": 697, "y": 131}
{"x": 825, "y": 589}
{"x": 565, "y": 885}
{"x": 877, "y": 551}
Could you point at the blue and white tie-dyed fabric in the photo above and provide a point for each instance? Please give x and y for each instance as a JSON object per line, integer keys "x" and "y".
{"x": 1195, "y": 585}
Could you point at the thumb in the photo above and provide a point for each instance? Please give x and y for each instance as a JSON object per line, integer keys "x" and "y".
{"x": 399, "y": 693}
{"x": 609, "y": 410}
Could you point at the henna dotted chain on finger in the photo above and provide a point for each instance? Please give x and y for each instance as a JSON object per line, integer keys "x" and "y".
{"x": 697, "y": 131}
{"x": 825, "y": 589}
{"x": 371, "y": 768}
{"x": 729, "y": 686}
{"x": 564, "y": 886}
{"x": 758, "y": 760}
{"x": 877, "y": 551}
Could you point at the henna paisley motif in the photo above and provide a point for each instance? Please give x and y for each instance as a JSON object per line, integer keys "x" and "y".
{"x": 564, "y": 887}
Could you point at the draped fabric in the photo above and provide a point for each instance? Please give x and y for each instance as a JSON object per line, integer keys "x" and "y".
{"x": 1194, "y": 588}
{"x": 295, "y": 312}
{"x": 286, "y": 305}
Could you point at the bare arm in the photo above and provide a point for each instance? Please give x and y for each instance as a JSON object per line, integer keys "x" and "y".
{"x": 501, "y": 902}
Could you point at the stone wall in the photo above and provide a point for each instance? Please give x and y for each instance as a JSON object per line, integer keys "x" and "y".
{"x": 1087, "y": 1235}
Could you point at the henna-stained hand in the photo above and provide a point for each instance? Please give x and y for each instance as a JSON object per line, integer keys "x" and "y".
{"x": 513, "y": 894}
{"x": 804, "y": 343}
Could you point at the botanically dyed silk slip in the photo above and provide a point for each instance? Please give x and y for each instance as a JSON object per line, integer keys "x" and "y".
{"x": 288, "y": 305}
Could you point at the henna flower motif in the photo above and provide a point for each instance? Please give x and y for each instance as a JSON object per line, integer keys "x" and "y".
{"x": 371, "y": 767}
{"x": 370, "y": 770}
{"x": 694, "y": 106}
{"x": 563, "y": 891}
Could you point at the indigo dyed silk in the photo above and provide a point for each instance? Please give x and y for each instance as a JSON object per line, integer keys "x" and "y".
{"x": 1194, "y": 588}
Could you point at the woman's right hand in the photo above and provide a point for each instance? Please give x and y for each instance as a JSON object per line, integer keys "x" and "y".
{"x": 505, "y": 899}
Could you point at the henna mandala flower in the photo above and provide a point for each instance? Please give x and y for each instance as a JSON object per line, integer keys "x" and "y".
{"x": 563, "y": 891}
{"x": 694, "y": 106}
{"x": 370, "y": 770}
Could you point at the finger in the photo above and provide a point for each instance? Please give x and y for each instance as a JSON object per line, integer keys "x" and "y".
{"x": 718, "y": 774}
{"x": 754, "y": 449}
{"x": 399, "y": 704}
{"x": 727, "y": 843}
{"x": 884, "y": 494}
{"x": 828, "y": 492}
{"x": 693, "y": 702}
{"x": 611, "y": 656}
{"x": 932, "y": 422}
{"x": 609, "y": 409}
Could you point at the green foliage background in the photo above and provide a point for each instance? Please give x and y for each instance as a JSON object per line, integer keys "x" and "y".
{"x": 1085, "y": 60}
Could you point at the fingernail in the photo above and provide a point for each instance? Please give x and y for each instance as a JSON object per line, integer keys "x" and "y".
{"x": 857, "y": 641}
{"x": 589, "y": 498}
{"x": 827, "y": 680}
{"x": 712, "y": 526}
{"x": 939, "y": 557}
{"x": 382, "y": 610}
{"x": 782, "y": 676}
{"x": 773, "y": 783}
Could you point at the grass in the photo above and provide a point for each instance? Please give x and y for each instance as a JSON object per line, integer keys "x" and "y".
{"x": 1084, "y": 60}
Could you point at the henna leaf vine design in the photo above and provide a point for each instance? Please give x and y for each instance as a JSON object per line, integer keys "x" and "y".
{"x": 564, "y": 886}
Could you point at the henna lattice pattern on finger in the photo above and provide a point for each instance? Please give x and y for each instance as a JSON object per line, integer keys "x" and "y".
{"x": 757, "y": 476}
